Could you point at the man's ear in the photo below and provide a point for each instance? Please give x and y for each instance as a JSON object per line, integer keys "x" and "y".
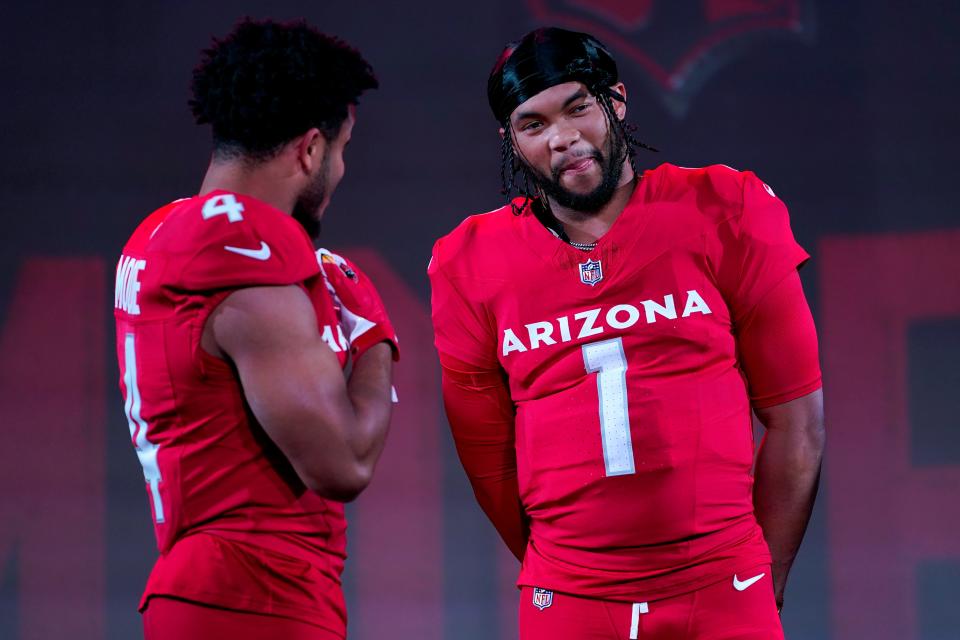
{"x": 620, "y": 106}
{"x": 502, "y": 132}
{"x": 310, "y": 149}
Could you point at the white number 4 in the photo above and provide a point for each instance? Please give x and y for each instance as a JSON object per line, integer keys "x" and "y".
{"x": 224, "y": 204}
{"x": 607, "y": 360}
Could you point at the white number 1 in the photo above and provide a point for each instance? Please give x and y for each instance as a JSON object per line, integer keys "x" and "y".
{"x": 607, "y": 360}
{"x": 146, "y": 450}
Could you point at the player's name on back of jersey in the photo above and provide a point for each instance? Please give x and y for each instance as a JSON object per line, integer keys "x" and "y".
{"x": 128, "y": 284}
{"x": 593, "y": 322}
{"x": 127, "y": 291}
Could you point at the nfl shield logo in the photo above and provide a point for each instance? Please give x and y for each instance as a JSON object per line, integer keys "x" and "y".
{"x": 542, "y": 598}
{"x": 591, "y": 272}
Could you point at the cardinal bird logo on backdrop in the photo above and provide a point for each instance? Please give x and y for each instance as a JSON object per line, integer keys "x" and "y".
{"x": 679, "y": 44}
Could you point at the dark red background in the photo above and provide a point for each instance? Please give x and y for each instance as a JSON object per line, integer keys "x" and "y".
{"x": 846, "y": 109}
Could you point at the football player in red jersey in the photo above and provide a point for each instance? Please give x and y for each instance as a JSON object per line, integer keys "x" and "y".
{"x": 604, "y": 339}
{"x": 233, "y": 338}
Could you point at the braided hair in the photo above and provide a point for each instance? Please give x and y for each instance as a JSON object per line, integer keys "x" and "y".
{"x": 541, "y": 59}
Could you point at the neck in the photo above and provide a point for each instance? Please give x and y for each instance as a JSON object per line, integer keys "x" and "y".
{"x": 589, "y": 227}
{"x": 262, "y": 181}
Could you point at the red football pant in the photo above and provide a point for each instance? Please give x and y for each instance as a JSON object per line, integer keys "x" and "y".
{"x": 715, "y": 612}
{"x": 172, "y": 619}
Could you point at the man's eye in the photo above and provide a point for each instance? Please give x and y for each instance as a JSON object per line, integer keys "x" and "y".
{"x": 581, "y": 107}
{"x": 532, "y": 126}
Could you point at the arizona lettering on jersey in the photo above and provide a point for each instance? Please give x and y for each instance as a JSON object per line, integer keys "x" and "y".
{"x": 234, "y": 525}
{"x": 632, "y": 423}
{"x": 594, "y": 322}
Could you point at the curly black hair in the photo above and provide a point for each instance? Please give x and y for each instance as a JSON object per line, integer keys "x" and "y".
{"x": 266, "y": 83}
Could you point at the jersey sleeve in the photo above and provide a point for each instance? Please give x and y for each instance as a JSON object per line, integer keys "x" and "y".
{"x": 481, "y": 416}
{"x": 242, "y": 243}
{"x": 756, "y": 248}
{"x": 777, "y": 346}
{"x": 461, "y": 328}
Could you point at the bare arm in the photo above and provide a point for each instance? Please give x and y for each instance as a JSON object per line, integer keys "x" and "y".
{"x": 778, "y": 350}
{"x": 787, "y": 477}
{"x": 332, "y": 431}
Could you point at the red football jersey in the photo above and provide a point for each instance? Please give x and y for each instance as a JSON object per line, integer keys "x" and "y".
{"x": 235, "y": 526}
{"x": 633, "y": 429}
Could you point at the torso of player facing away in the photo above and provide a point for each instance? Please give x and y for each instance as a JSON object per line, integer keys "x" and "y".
{"x": 235, "y": 526}
{"x": 633, "y": 422}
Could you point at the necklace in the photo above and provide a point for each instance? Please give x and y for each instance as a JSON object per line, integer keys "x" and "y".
{"x": 583, "y": 246}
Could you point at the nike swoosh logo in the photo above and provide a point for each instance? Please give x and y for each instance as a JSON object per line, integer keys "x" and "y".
{"x": 263, "y": 253}
{"x": 741, "y": 585}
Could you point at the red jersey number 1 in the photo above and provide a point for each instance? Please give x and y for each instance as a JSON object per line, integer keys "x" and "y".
{"x": 607, "y": 359}
{"x": 146, "y": 450}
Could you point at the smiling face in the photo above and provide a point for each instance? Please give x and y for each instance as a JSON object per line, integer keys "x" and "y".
{"x": 565, "y": 139}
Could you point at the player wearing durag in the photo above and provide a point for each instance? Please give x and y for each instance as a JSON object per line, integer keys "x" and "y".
{"x": 603, "y": 343}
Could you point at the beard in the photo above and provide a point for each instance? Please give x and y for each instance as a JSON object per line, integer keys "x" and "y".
{"x": 307, "y": 209}
{"x": 611, "y": 170}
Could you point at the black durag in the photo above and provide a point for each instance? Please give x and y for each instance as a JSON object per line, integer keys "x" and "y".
{"x": 545, "y": 58}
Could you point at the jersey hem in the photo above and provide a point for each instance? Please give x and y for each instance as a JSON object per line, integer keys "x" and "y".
{"x": 212, "y": 599}
{"x": 724, "y": 570}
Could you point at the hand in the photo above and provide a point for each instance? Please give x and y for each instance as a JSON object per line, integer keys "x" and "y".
{"x": 779, "y": 583}
{"x": 362, "y": 314}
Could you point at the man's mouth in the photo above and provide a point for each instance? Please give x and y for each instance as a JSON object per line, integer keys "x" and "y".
{"x": 577, "y": 166}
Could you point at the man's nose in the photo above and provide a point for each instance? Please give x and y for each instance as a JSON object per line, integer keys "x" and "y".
{"x": 563, "y": 138}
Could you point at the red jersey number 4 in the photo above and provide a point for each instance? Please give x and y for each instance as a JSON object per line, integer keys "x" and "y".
{"x": 225, "y": 204}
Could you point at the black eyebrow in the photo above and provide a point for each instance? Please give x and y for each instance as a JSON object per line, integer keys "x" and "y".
{"x": 578, "y": 95}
